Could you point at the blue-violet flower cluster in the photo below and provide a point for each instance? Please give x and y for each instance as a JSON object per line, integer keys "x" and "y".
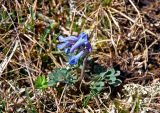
{"x": 75, "y": 46}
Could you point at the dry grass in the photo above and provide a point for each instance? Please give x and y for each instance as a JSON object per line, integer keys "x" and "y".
{"x": 124, "y": 35}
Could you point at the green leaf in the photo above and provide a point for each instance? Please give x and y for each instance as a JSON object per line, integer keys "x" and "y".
{"x": 107, "y": 2}
{"x": 111, "y": 80}
{"x": 62, "y": 75}
{"x": 86, "y": 100}
{"x": 46, "y": 33}
{"x": 102, "y": 74}
{"x": 116, "y": 83}
{"x": 41, "y": 82}
{"x": 109, "y": 76}
{"x": 110, "y": 72}
{"x": 2, "y": 106}
{"x": 117, "y": 73}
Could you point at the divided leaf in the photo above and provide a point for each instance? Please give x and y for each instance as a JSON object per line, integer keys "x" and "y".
{"x": 111, "y": 75}
{"x": 61, "y": 75}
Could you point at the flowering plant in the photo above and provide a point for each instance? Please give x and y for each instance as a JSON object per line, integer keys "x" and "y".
{"x": 75, "y": 46}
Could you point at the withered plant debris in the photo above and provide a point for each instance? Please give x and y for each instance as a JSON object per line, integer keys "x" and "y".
{"x": 124, "y": 34}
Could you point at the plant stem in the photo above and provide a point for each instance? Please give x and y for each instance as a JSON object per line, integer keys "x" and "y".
{"x": 82, "y": 72}
{"x": 83, "y": 68}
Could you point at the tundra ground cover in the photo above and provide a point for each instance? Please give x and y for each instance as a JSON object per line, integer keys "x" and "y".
{"x": 80, "y": 56}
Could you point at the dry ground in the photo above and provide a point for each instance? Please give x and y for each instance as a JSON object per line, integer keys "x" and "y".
{"x": 124, "y": 34}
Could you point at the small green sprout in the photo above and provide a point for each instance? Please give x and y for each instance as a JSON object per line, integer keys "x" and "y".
{"x": 41, "y": 82}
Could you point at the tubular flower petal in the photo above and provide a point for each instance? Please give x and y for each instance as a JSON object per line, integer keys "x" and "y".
{"x": 60, "y": 38}
{"x": 66, "y": 50}
{"x": 71, "y": 43}
{"x": 63, "y": 45}
{"x": 88, "y": 46}
{"x": 74, "y": 59}
{"x": 82, "y": 35}
{"x": 83, "y": 38}
{"x": 70, "y": 38}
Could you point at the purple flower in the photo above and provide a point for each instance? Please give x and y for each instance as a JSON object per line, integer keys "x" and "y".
{"x": 72, "y": 43}
{"x": 70, "y": 39}
{"x": 66, "y": 50}
{"x": 66, "y": 42}
{"x": 63, "y": 45}
{"x": 88, "y": 46}
{"x": 83, "y": 38}
{"x": 74, "y": 59}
